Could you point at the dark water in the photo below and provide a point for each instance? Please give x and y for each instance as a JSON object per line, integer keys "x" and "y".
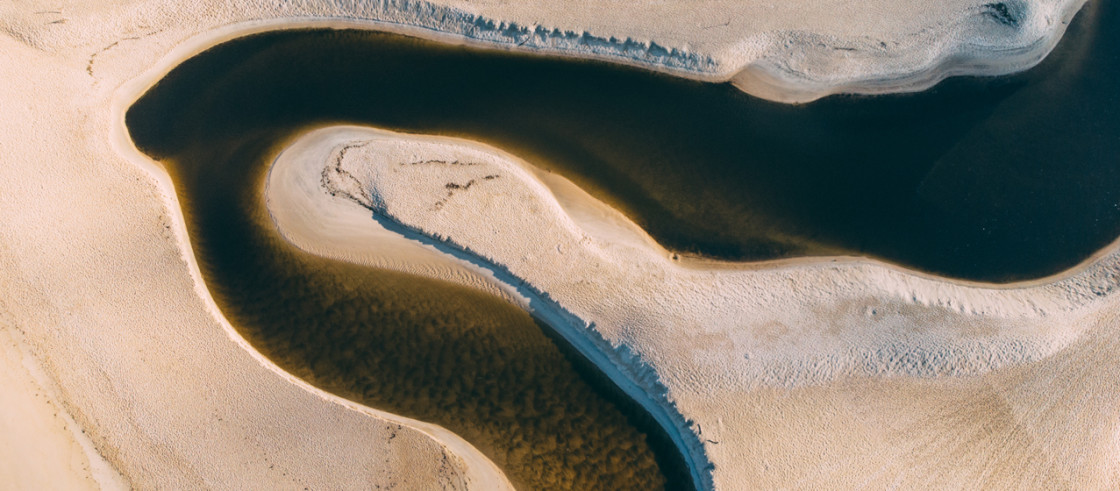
{"x": 993, "y": 179}
{"x": 426, "y": 349}
{"x": 989, "y": 179}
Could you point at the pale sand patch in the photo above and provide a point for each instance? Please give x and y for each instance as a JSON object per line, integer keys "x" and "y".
{"x": 99, "y": 275}
{"x": 95, "y": 277}
{"x": 792, "y": 51}
{"x": 937, "y": 373}
{"x": 42, "y": 447}
{"x": 326, "y": 227}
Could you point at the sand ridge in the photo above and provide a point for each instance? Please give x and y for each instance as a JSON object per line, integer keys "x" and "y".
{"x": 144, "y": 365}
{"x": 692, "y": 334}
{"x": 99, "y": 275}
{"x": 783, "y": 51}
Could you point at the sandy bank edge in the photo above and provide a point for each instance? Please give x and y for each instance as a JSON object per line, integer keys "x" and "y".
{"x": 775, "y": 79}
{"x": 482, "y": 472}
{"x": 1064, "y": 298}
{"x": 633, "y": 379}
{"x": 761, "y": 78}
{"x": 779, "y": 61}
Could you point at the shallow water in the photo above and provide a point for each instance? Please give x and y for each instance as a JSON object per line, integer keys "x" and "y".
{"x": 426, "y": 349}
{"x": 992, "y": 179}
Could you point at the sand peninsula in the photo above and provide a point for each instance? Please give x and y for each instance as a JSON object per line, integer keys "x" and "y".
{"x": 121, "y": 370}
{"x": 722, "y": 352}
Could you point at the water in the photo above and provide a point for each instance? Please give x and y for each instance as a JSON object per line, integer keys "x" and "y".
{"x": 426, "y": 349}
{"x": 990, "y": 179}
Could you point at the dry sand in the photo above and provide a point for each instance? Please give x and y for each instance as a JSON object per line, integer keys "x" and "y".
{"x": 119, "y": 370}
{"x": 927, "y": 382}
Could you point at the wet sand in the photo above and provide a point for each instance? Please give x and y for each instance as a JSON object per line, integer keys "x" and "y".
{"x": 110, "y": 302}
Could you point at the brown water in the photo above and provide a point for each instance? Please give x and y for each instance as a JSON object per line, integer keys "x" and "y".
{"x": 422, "y": 348}
{"x": 993, "y": 179}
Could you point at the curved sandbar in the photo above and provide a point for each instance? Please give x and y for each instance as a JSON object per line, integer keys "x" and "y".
{"x": 983, "y": 179}
{"x": 62, "y": 66}
{"x": 134, "y": 377}
{"x": 422, "y": 348}
{"x": 299, "y": 191}
{"x": 712, "y": 339}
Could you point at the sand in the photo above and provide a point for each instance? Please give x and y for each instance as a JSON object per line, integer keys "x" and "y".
{"x": 785, "y": 51}
{"x": 707, "y": 347}
{"x": 120, "y": 371}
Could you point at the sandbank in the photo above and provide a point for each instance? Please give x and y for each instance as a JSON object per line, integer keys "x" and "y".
{"x": 697, "y": 341}
{"x": 148, "y": 385}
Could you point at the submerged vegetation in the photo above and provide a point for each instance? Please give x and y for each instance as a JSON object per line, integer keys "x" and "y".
{"x": 456, "y": 358}
{"x": 968, "y": 180}
{"x": 426, "y": 349}
{"x": 418, "y": 347}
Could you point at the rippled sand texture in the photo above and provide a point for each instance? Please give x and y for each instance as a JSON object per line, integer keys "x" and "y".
{"x": 117, "y": 353}
{"x": 937, "y": 380}
{"x": 422, "y": 348}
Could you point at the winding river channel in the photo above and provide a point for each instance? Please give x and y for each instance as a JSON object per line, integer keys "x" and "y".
{"x": 994, "y": 179}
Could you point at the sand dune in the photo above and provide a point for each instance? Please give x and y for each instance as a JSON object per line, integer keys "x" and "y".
{"x": 951, "y": 362}
{"x": 130, "y": 375}
{"x": 783, "y": 51}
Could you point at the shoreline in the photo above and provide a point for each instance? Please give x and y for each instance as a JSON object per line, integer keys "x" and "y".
{"x": 309, "y": 237}
{"x": 1024, "y": 324}
{"x": 770, "y": 80}
{"x": 45, "y": 300}
{"x": 863, "y": 67}
{"x": 481, "y": 470}
{"x": 625, "y": 230}
{"x": 1030, "y": 56}
{"x": 951, "y": 292}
